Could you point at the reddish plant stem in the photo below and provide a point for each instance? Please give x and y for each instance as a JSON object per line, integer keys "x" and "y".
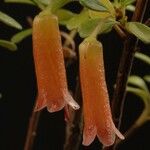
{"x": 120, "y": 32}
{"x": 126, "y": 61}
{"x": 31, "y": 134}
{"x": 122, "y": 76}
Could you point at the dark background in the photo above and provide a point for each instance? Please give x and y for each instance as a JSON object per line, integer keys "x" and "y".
{"x": 18, "y": 89}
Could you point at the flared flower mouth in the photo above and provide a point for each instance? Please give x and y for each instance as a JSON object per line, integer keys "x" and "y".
{"x": 90, "y": 134}
{"x": 53, "y": 91}
{"x": 97, "y": 115}
{"x": 56, "y": 105}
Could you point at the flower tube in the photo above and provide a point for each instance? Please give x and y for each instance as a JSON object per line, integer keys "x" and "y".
{"x": 96, "y": 109}
{"x": 49, "y": 65}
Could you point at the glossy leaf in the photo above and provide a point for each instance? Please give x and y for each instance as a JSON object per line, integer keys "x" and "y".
{"x": 147, "y": 78}
{"x": 20, "y": 1}
{"x": 140, "y": 30}
{"x": 143, "y": 57}
{"x": 8, "y": 45}
{"x": 9, "y": 21}
{"x": 94, "y": 5}
{"x": 21, "y": 35}
{"x": 64, "y": 15}
{"x": 138, "y": 82}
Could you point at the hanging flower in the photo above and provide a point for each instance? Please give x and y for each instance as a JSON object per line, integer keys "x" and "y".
{"x": 49, "y": 65}
{"x": 97, "y": 114}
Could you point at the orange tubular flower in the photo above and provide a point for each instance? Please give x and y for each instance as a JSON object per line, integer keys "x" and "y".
{"x": 49, "y": 64}
{"x": 97, "y": 114}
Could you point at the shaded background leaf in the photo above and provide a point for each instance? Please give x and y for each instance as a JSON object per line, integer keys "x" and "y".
{"x": 138, "y": 82}
{"x": 130, "y": 8}
{"x": 140, "y": 30}
{"x": 143, "y": 57}
{"x": 147, "y": 78}
{"x": 9, "y": 21}
{"x": 8, "y": 45}
{"x": 138, "y": 92}
{"x": 21, "y": 35}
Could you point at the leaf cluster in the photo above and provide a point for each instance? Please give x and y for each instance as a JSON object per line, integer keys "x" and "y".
{"x": 139, "y": 86}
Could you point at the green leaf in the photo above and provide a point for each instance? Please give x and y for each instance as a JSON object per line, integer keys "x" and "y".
{"x": 127, "y": 2}
{"x": 143, "y": 57}
{"x": 54, "y": 5}
{"x": 21, "y": 35}
{"x": 138, "y": 92}
{"x": 108, "y": 25}
{"x": 109, "y": 6}
{"x": 90, "y": 25}
{"x": 147, "y": 78}
{"x": 77, "y": 20}
{"x": 20, "y": 1}
{"x": 8, "y": 45}
{"x": 94, "y": 5}
{"x": 39, "y": 4}
{"x": 64, "y": 15}
{"x": 138, "y": 82}
{"x": 140, "y": 30}
{"x": 9, "y": 21}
